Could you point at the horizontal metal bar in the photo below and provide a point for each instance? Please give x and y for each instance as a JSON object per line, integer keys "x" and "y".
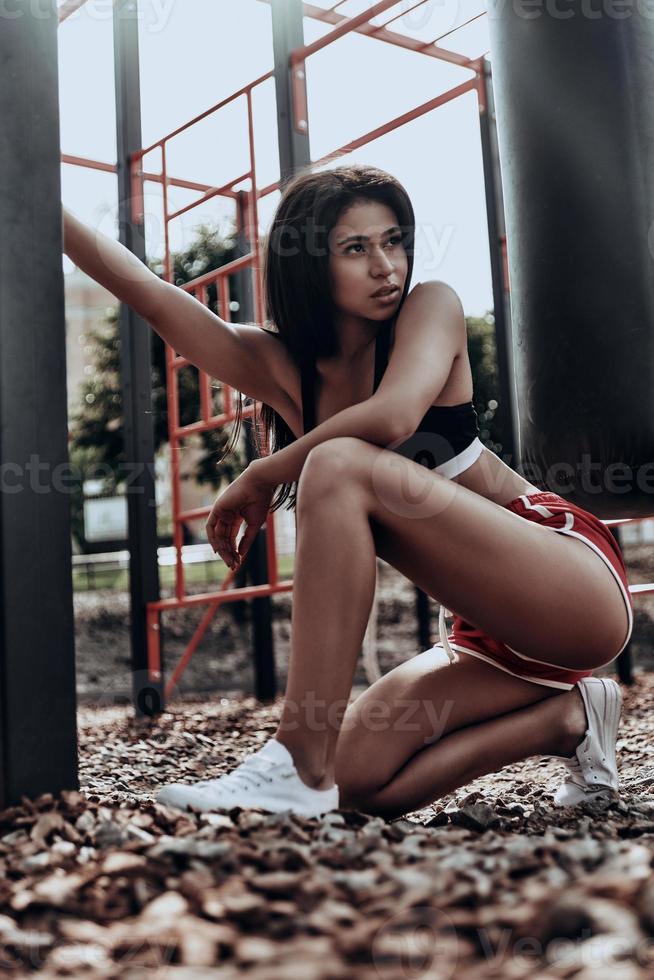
{"x": 229, "y": 595}
{"x": 406, "y": 117}
{"x": 346, "y": 26}
{"x": 626, "y": 520}
{"x": 194, "y": 428}
{"x": 68, "y": 8}
{"x": 268, "y": 189}
{"x": 216, "y": 274}
{"x": 458, "y": 27}
{"x": 74, "y": 161}
{"x": 402, "y": 13}
{"x": 389, "y": 37}
{"x": 212, "y": 192}
{"x": 111, "y": 168}
{"x": 207, "y": 112}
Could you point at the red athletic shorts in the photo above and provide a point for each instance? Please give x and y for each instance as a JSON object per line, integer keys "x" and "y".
{"x": 550, "y": 510}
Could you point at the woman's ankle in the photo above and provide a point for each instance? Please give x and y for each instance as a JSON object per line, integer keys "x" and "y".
{"x": 573, "y": 723}
{"x": 313, "y": 772}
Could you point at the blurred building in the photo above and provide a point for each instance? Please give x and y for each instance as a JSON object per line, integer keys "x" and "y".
{"x": 87, "y": 306}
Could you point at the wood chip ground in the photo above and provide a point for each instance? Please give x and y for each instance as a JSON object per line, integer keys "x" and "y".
{"x": 492, "y": 881}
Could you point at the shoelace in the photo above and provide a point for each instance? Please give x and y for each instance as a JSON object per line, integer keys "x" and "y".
{"x": 574, "y": 768}
{"x": 577, "y": 777}
{"x": 247, "y": 774}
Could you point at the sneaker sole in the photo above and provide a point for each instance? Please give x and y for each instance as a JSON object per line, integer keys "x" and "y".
{"x": 181, "y": 799}
{"x": 589, "y": 797}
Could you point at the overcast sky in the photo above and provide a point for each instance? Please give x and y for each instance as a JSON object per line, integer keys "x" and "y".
{"x": 195, "y": 53}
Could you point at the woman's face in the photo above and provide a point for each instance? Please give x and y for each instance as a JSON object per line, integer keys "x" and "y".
{"x": 365, "y": 255}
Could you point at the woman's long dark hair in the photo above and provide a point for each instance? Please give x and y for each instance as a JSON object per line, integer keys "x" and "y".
{"x": 297, "y": 284}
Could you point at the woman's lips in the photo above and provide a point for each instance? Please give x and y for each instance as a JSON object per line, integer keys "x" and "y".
{"x": 387, "y": 297}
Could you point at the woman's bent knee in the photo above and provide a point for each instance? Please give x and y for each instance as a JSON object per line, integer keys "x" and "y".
{"x": 329, "y": 472}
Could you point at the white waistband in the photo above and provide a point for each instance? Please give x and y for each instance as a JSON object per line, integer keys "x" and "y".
{"x": 453, "y": 467}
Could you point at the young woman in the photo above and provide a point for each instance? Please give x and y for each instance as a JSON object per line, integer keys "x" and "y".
{"x": 367, "y": 394}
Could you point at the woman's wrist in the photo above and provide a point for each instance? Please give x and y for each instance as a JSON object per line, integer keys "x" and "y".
{"x": 259, "y": 472}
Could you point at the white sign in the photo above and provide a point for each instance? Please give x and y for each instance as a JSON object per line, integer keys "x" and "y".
{"x": 105, "y": 519}
{"x": 285, "y": 531}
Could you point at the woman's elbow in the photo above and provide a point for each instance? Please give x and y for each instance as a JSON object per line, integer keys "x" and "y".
{"x": 397, "y": 429}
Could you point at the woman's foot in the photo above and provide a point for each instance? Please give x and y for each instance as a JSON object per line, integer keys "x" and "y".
{"x": 592, "y": 763}
{"x": 267, "y": 780}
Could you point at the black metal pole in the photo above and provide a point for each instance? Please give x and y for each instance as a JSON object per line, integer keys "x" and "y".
{"x": 265, "y": 680}
{"x": 507, "y": 414}
{"x": 38, "y": 741}
{"x": 256, "y": 563}
{"x": 576, "y": 117}
{"x": 288, "y": 34}
{"x": 293, "y": 145}
{"x": 136, "y": 359}
{"x": 624, "y": 664}
{"x": 242, "y": 281}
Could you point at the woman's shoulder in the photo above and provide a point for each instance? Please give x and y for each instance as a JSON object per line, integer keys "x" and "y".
{"x": 435, "y": 286}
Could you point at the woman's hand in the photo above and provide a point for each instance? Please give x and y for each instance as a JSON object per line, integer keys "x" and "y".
{"x": 247, "y": 500}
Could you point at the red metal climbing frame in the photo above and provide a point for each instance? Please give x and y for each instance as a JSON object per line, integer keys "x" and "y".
{"x": 342, "y": 25}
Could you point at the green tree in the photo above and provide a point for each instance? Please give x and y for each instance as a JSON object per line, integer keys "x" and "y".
{"x": 483, "y": 362}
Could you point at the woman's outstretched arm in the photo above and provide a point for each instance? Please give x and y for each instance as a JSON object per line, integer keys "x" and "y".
{"x": 244, "y": 357}
{"x": 113, "y": 266}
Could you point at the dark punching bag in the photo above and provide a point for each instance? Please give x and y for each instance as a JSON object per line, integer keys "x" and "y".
{"x": 574, "y": 90}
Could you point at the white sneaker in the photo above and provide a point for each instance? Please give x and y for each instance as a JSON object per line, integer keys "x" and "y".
{"x": 267, "y": 780}
{"x": 593, "y": 769}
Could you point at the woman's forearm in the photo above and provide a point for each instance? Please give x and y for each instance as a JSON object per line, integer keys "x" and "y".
{"x": 369, "y": 420}
{"x": 113, "y": 266}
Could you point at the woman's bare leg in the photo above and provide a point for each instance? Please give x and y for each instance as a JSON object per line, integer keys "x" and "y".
{"x": 554, "y": 726}
{"x": 502, "y": 573}
{"x": 428, "y": 726}
{"x": 333, "y": 591}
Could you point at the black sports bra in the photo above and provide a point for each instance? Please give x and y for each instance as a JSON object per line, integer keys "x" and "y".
{"x": 447, "y": 438}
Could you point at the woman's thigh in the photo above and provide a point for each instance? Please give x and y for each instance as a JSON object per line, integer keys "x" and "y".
{"x": 416, "y": 704}
{"x": 546, "y": 595}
